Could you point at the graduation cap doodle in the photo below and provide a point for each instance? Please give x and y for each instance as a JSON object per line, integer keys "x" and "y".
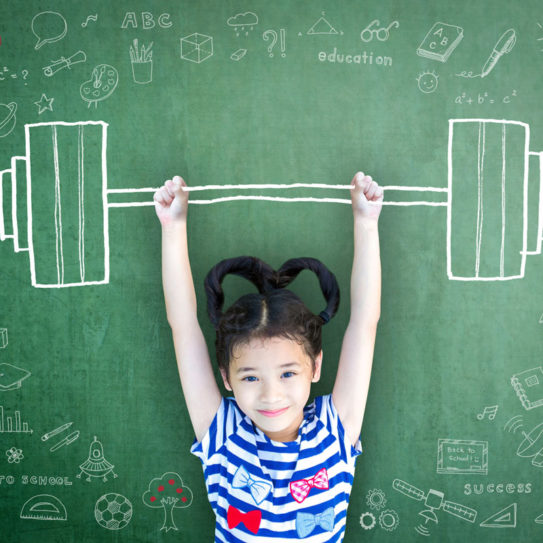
{"x": 11, "y": 377}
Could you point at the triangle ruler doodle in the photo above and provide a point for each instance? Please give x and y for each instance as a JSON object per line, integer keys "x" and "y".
{"x": 322, "y": 26}
{"x": 506, "y": 518}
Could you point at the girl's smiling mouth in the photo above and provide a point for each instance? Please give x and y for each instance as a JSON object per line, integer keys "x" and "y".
{"x": 274, "y": 413}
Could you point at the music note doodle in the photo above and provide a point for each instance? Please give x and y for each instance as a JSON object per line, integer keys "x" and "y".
{"x": 90, "y": 18}
{"x": 490, "y": 411}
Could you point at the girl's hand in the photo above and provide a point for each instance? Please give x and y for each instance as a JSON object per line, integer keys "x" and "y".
{"x": 171, "y": 201}
{"x": 366, "y": 197}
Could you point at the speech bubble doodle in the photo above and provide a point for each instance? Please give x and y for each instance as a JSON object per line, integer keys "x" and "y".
{"x": 48, "y": 27}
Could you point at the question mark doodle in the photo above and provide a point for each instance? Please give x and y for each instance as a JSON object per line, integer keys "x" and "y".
{"x": 273, "y": 34}
{"x": 25, "y": 74}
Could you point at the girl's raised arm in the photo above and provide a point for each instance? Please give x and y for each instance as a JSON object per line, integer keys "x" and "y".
{"x": 353, "y": 377}
{"x": 201, "y": 392}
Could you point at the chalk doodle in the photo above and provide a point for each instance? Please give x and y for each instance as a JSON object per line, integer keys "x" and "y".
{"x": 484, "y": 98}
{"x": 43, "y": 507}
{"x": 104, "y": 80}
{"x": 389, "y": 520}
{"x": 168, "y": 492}
{"x": 442, "y": 39}
{"x": 368, "y": 520}
{"x": 13, "y": 424}
{"x": 382, "y": 34}
{"x": 196, "y": 47}
{"x": 500, "y": 488}
{"x": 242, "y": 21}
{"x": 458, "y": 456}
{"x": 113, "y": 511}
{"x": 14, "y": 455}
{"x": 11, "y": 377}
{"x": 322, "y": 27}
{"x": 434, "y": 501}
{"x": 376, "y": 499}
{"x": 67, "y": 440}
{"x": 8, "y": 118}
{"x": 48, "y": 27}
{"x": 94, "y": 18}
{"x": 238, "y": 55}
{"x": 96, "y": 466}
{"x": 62, "y": 63}
{"x": 142, "y": 62}
{"x": 147, "y": 20}
{"x": 3, "y": 338}
{"x": 532, "y": 446}
{"x": 490, "y": 411}
{"x": 528, "y": 385}
{"x": 540, "y": 28}
{"x": 44, "y": 104}
{"x": 514, "y": 424}
{"x": 6, "y": 74}
{"x": 428, "y": 82}
{"x": 506, "y": 518}
{"x": 539, "y": 519}
{"x": 271, "y": 34}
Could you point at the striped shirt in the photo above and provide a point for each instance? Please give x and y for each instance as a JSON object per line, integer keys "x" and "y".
{"x": 264, "y": 490}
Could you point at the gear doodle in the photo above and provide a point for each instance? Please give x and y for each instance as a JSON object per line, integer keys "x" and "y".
{"x": 389, "y": 520}
{"x": 367, "y": 520}
{"x": 376, "y": 499}
{"x": 14, "y": 455}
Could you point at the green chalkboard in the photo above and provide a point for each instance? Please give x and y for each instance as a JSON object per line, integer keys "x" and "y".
{"x": 101, "y": 102}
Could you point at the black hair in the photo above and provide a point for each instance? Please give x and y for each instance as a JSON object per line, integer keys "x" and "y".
{"x": 272, "y": 312}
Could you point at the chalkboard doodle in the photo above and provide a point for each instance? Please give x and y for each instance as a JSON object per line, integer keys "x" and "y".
{"x": 44, "y": 104}
{"x": 382, "y": 34}
{"x": 272, "y": 35}
{"x": 368, "y": 520}
{"x": 3, "y": 338}
{"x": 196, "y": 47}
{"x": 66, "y": 441}
{"x": 13, "y": 424}
{"x": 168, "y": 492}
{"x": 104, "y": 80}
{"x": 539, "y": 519}
{"x": 96, "y": 466}
{"x": 56, "y": 431}
{"x": 505, "y": 518}
{"x": 147, "y": 20}
{"x": 142, "y": 62}
{"x": 113, "y": 511}
{"x": 540, "y": 28}
{"x": 457, "y": 456}
{"x": 484, "y": 98}
{"x": 62, "y": 63}
{"x": 44, "y": 507}
{"x": 440, "y": 42}
{"x": 8, "y": 118}
{"x": 376, "y": 499}
{"x": 490, "y": 411}
{"x": 389, "y": 520}
{"x": 532, "y": 446}
{"x": 94, "y": 18}
{"x": 48, "y": 27}
{"x": 322, "y": 27}
{"x": 238, "y": 55}
{"x": 528, "y": 385}
{"x": 14, "y": 455}
{"x": 434, "y": 500}
{"x": 427, "y": 82}
{"x": 514, "y": 424}
{"x": 240, "y": 21}
{"x": 11, "y": 377}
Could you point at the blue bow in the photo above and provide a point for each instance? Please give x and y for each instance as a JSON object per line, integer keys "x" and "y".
{"x": 306, "y": 522}
{"x": 259, "y": 488}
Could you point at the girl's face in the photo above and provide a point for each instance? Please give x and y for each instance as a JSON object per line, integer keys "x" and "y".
{"x": 271, "y": 380}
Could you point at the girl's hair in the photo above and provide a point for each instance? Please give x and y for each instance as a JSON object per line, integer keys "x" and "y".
{"x": 272, "y": 312}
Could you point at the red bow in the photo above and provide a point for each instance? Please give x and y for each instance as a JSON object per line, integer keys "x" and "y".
{"x": 300, "y": 489}
{"x": 251, "y": 519}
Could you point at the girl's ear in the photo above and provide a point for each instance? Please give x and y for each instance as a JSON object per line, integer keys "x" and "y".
{"x": 318, "y": 366}
{"x": 225, "y": 380}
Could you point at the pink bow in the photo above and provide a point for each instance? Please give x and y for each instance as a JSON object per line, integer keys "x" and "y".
{"x": 300, "y": 489}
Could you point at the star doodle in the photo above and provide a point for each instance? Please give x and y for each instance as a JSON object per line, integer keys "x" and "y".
{"x": 44, "y": 103}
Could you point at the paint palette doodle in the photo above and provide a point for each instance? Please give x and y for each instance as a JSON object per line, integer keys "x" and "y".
{"x": 103, "y": 82}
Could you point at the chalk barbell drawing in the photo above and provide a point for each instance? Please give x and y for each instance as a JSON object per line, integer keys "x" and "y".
{"x": 494, "y": 210}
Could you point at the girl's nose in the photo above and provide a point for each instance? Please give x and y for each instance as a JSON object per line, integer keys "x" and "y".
{"x": 270, "y": 392}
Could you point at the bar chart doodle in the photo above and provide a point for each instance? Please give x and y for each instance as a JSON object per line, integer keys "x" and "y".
{"x": 14, "y": 424}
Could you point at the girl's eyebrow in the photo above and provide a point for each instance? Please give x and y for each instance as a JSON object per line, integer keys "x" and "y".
{"x": 249, "y": 368}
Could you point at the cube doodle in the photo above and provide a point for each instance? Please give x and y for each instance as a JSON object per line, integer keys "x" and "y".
{"x": 196, "y": 47}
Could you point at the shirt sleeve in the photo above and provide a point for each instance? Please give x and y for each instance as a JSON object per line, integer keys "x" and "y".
{"x": 224, "y": 424}
{"x": 326, "y": 411}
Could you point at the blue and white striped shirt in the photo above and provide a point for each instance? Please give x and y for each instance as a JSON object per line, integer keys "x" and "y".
{"x": 264, "y": 490}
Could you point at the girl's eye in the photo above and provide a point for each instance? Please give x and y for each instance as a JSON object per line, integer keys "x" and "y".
{"x": 250, "y": 379}
{"x": 288, "y": 374}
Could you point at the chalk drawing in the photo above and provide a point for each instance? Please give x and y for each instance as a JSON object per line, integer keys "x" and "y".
{"x": 196, "y": 47}
{"x": 62, "y": 63}
{"x": 8, "y": 118}
{"x": 382, "y": 34}
{"x": 168, "y": 492}
{"x": 441, "y": 40}
{"x": 528, "y": 385}
{"x": 368, "y": 520}
{"x": 485, "y": 98}
{"x": 96, "y": 466}
{"x": 539, "y": 519}
{"x": 459, "y": 456}
{"x": 68, "y": 440}
{"x": 514, "y": 424}
{"x": 48, "y": 27}
{"x": 238, "y": 55}
{"x": 541, "y": 29}
{"x": 272, "y": 35}
{"x": 3, "y": 331}
{"x": 142, "y": 62}
{"x": 94, "y": 18}
{"x": 490, "y": 411}
{"x": 434, "y": 501}
{"x": 376, "y": 499}
{"x": 55, "y": 431}
{"x": 243, "y": 22}
{"x": 322, "y": 27}
{"x": 427, "y": 82}
{"x": 113, "y": 511}
{"x": 104, "y": 80}
{"x": 43, "y": 507}
{"x": 532, "y": 446}
{"x": 504, "y": 45}
{"x": 389, "y": 520}
{"x": 44, "y": 104}
{"x": 506, "y": 518}
{"x": 14, "y": 455}
{"x": 11, "y": 377}
{"x": 14, "y": 424}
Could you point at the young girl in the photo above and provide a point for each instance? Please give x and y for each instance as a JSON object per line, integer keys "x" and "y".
{"x": 275, "y": 468}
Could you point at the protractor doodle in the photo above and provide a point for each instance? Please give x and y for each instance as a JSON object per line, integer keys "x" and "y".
{"x": 103, "y": 82}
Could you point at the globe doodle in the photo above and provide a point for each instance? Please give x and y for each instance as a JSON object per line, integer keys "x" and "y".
{"x": 113, "y": 511}
{"x": 7, "y": 118}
